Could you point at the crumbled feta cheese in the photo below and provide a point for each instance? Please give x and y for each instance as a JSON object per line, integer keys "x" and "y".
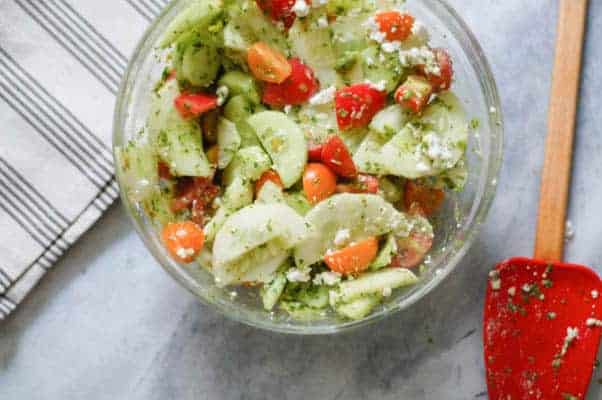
{"x": 595, "y": 294}
{"x": 301, "y": 8}
{"x": 324, "y": 96}
{"x": 222, "y": 93}
{"x": 420, "y": 56}
{"x": 512, "y": 291}
{"x": 370, "y": 61}
{"x": 437, "y": 150}
{"x": 380, "y": 86}
{"x": 571, "y": 335}
{"x": 233, "y": 294}
{"x": 492, "y": 110}
{"x": 387, "y": 292}
{"x": 181, "y": 233}
{"x": 298, "y": 275}
{"x": 328, "y": 278}
{"x": 496, "y": 282}
{"x": 391, "y": 47}
{"x": 287, "y": 109}
{"x": 569, "y": 231}
{"x": 374, "y": 29}
{"x": 322, "y": 22}
{"x": 422, "y": 167}
{"x": 342, "y": 237}
{"x": 183, "y": 252}
{"x": 593, "y": 322}
{"x": 420, "y": 32}
{"x": 526, "y": 288}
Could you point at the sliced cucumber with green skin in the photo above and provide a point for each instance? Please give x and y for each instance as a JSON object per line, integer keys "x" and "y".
{"x": 228, "y": 142}
{"x": 389, "y": 121}
{"x": 177, "y": 141}
{"x": 270, "y": 193}
{"x": 302, "y": 312}
{"x": 368, "y": 158}
{"x": 386, "y": 253}
{"x": 271, "y": 292}
{"x": 284, "y": 141}
{"x": 372, "y": 283}
{"x": 237, "y": 110}
{"x": 254, "y": 226}
{"x": 138, "y": 162}
{"x": 375, "y": 69}
{"x": 349, "y": 33}
{"x": 403, "y": 155}
{"x": 390, "y": 189}
{"x": 298, "y": 202}
{"x": 359, "y": 308}
{"x": 158, "y": 208}
{"x": 248, "y": 163}
{"x": 238, "y": 194}
{"x": 197, "y": 58}
{"x": 353, "y": 138}
{"x": 314, "y": 296}
{"x": 240, "y": 83}
{"x": 257, "y": 265}
{"x": 364, "y": 215}
{"x": 200, "y": 15}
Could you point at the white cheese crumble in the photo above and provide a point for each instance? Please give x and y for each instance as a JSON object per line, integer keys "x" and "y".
{"x": 322, "y": 22}
{"x": 569, "y": 231}
{"x": 324, "y": 96}
{"x": 328, "y": 278}
{"x": 437, "y": 150}
{"x": 342, "y": 237}
{"x": 512, "y": 291}
{"x": 183, "y": 252}
{"x": 287, "y": 109}
{"x": 391, "y": 47}
{"x": 496, "y": 282}
{"x": 492, "y": 110}
{"x": 593, "y": 322}
{"x": 571, "y": 335}
{"x": 298, "y": 275}
{"x": 595, "y": 294}
{"x": 387, "y": 292}
{"x": 422, "y": 167}
{"x": 420, "y": 56}
{"x": 222, "y": 93}
{"x": 301, "y": 8}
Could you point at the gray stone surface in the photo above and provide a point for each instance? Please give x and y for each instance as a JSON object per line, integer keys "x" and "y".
{"x": 108, "y": 323}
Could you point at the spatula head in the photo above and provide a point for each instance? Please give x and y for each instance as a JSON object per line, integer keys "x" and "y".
{"x": 540, "y": 330}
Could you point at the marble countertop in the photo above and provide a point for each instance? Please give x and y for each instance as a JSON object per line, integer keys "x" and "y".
{"x": 108, "y": 323}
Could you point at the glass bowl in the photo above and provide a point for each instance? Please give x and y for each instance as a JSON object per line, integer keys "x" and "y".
{"x": 456, "y": 227}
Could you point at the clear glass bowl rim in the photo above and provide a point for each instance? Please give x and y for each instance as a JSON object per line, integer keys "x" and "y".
{"x": 470, "y": 46}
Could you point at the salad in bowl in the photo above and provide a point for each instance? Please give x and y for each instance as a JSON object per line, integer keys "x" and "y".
{"x": 300, "y": 149}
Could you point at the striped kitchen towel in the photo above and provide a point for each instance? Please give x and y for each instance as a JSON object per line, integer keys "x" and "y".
{"x": 61, "y": 63}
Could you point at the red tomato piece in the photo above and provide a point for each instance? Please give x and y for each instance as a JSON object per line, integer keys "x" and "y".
{"x": 443, "y": 81}
{"x": 356, "y": 105}
{"x": 412, "y": 250}
{"x": 183, "y": 240}
{"x": 395, "y": 25}
{"x": 296, "y": 89}
{"x": 319, "y": 182}
{"x": 336, "y": 157}
{"x": 271, "y": 176}
{"x": 414, "y": 93}
{"x": 353, "y": 259}
{"x": 164, "y": 171}
{"x": 314, "y": 153}
{"x": 279, "y": 10}
{"x": 422, "y": 199}
{"x": 192, "y": 105}
{"x": 363, "y": 184}
{"x": 194, "y": 194}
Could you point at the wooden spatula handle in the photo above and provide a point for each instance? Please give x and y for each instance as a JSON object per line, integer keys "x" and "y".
{"x": 556, "y": 175}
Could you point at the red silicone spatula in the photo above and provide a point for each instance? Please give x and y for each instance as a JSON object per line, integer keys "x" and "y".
{"x": 542, "y": 325}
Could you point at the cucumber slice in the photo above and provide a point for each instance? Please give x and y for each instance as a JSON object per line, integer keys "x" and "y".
{"x": 249, "y": 163}
{"x": 138, "y": 163}
{"x": 377, "y": 68}
{"x": 254, "y": 226}
{"x": 390, "y": 189}
{"x": 240, "y": 83}
{"x": 200, "y": 15}
{"x": 389, "y": 121}
{"x": 238, "y": 195}
{"x": 298, "y": 202}
{"x": 271, "y": 292}
{"x": 359, "y": 308}
{"x": 318, "y": 122}
{"x": 284, "y": 141}
{"x": 257, "y": 265}
{"x": 237, "y": 110}
{"x": 372, "y": 283}
{"x": 177, "y": 141}
{"x": 314, "y": 296}
{"x": 158, "y": 208}
{"x": 385, "y": 254}
{"x": 228, "y": 142}
{"x": 364, "y": 215}
{"x": 270, "y": 193}
{"x": 197, "y": 58}
{"x": 403, "y": 155}
{"x": 302, "y": 312}
{"x": 368, "y": 158}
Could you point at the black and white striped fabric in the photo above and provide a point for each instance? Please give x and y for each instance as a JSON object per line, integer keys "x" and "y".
{"x": 61, "y": 63}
